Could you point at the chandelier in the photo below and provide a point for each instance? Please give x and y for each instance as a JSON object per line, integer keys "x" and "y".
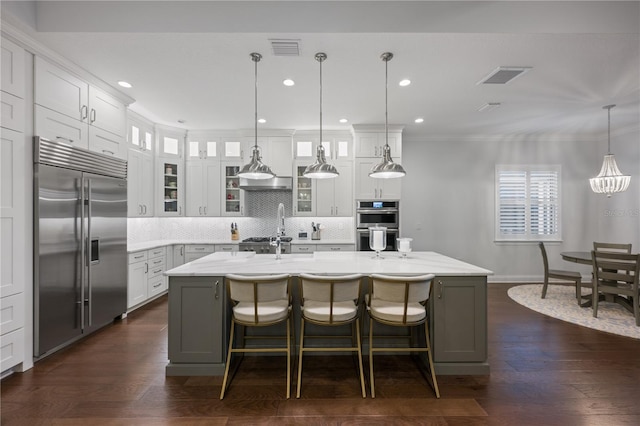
{"x": 610, "y": 180}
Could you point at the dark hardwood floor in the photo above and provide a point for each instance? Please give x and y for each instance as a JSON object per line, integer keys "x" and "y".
{"x": 543, "y": 372}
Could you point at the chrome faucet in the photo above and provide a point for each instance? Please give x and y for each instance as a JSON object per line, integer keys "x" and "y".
{"x": 277, "y": 243}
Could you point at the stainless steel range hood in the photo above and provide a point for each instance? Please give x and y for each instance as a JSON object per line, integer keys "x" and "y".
{"x": 277, "y": 183}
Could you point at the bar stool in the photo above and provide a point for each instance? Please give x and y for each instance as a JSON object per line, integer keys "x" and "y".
{"x": 399, "y": 301}
{"x": 331, "y": 300}
{"x": 259, "y": 301}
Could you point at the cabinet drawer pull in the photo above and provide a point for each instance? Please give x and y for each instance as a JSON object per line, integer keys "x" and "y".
{"x": 227, "y": 248}
{"x": 157, "y": 262}
{"x": 199, "y": 248}
{"x": 139, "y": 256}
{"x": 157, "y": 285}
{"x": 303, "y": 248}
{"x": 64, "y": 139}
{"x": 106, "y": 151}
{"x": 335, "y": 248}
{"x": 157, "y": 271}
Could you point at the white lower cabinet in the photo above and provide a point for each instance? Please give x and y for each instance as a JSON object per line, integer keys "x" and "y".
{"x": 196, "y": 251}
{"x": 310, "y": 248}
{"x": 146, "y": 279}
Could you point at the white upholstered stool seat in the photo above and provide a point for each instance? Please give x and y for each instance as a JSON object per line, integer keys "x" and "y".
{"x": 331, "y": 300}
{"x": 258, "y": 301}
{"x": 399, "y": 301}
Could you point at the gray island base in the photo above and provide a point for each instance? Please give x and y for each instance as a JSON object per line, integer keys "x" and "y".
{"x": 199, "y": 311}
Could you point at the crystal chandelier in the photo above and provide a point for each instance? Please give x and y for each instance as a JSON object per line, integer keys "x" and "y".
{"x": 320, "y": 169}
{"x": 255, "y": 169}
{"x": 386, "y": 169}
{"x": 610, "y": 179}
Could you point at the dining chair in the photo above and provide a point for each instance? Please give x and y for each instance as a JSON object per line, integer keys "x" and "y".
{"x": 258, "y": 301}
{"x": 400, "y": 301}
{"x": 617, "y": 274}
{"x": 559, "y": 274}
{"x": 331, "y": 301}
{"x": 623, "y": 248}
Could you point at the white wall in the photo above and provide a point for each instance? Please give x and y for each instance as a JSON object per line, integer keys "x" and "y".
{"x": 448, "y": 199}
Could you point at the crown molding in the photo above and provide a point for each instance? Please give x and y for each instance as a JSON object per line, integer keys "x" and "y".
{"x": 16, "y": 31}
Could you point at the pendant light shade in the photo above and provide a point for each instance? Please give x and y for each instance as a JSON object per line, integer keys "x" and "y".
{"x": 320, "y": 169}
{"x": 610, "y": 180}
{"x": 255, "y": 169}
{"x": 386, "y": 169}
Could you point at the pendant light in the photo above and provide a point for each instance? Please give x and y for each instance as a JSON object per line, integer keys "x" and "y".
{"x": 255, "y": 169}
{"x": 320, "y": 169}
{"x": 610, "y": 179}
{"x": 386, "y": 169}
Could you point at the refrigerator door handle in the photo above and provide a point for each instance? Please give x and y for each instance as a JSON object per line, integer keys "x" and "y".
{"x": 89, "y": 249}
{"x": 83, "y": 253}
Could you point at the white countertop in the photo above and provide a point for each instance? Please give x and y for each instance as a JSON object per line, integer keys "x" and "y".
{"x": 160, "y": 243}
{"x": 147, "y": 245}
{"x": 217, "y": 264}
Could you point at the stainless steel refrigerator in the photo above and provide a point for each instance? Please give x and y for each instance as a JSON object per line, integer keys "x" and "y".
{"x": 80, "y": 233}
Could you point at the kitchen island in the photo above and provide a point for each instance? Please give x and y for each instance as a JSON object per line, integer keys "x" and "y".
{"x": 199, "y": 310}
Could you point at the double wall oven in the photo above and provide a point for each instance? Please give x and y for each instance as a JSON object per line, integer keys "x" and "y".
{"x": 377, "y": 213}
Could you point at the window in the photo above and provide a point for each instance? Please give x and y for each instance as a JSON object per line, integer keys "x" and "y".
{"x": 528, "y": 203}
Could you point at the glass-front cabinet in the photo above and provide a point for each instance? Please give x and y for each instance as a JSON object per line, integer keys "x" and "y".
{"x": 172, "y": 187}
{"x": 304, "y": 202}
{"x": 233, "y": 197}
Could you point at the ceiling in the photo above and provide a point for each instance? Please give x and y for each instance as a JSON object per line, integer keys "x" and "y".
{"x": 190, "y": 61}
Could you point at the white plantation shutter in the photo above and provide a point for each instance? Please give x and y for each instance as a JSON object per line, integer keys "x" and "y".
{"x": 528, "y": 203}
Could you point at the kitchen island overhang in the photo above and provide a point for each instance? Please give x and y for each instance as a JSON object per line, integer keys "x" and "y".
{"x": 199, "y": 311}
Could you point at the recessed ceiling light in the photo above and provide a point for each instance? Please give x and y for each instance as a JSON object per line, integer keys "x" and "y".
{"x": 419, "y": 120}
{"x": 288, "y": 82}
{"x": 343, "y": 120}
{"x": 489, "y": 106}
{"x": 261, "y": 120}
{"x": 125, "y": 84}
{"x": 405, "y": 82}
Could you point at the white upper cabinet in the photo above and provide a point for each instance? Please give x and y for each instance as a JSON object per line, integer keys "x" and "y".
{"x": 140, "y": 134}
{"x": 202, "y": 175}
{"x": 337, "y": 145}
{"x": 368, "y": 188}
{"x": 334, "y": 197}
{"x": 170, "y": 142}
{"x": 140, "y": 183}
{"x": 62, "y": 95}
{"x": 236, "y": 148}
{"x": 106, "y": 112}
{"x": 370, "y": 140}
{"x": 60, "y": 91}
{"x": 12, "y": 68}
{"x": 203, "y": 188}
{"x": 202, "y": 148}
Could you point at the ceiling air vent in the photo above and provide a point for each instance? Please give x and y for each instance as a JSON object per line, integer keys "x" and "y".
{"x": 503, "y": 75}
{"x": 285, "y": 47}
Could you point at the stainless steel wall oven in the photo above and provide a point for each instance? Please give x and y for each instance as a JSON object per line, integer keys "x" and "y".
{"x": 377, "y": 213}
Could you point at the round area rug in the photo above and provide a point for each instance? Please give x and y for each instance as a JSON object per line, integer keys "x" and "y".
{"x": 561, "y": 303}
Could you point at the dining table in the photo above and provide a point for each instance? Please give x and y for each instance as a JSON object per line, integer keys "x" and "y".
{"x": 583, "y": 257}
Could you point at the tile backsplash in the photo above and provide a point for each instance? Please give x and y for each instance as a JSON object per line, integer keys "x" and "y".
{"x": 261, "y": 222}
